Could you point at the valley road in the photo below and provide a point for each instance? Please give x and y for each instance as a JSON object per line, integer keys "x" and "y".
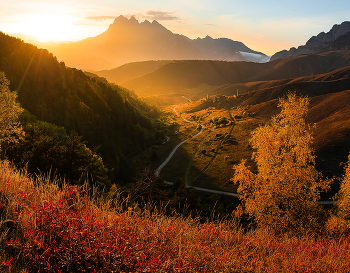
{"x": 158, "y": 170}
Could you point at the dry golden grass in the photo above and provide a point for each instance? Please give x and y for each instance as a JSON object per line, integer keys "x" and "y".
{"x": 136, "y": 241}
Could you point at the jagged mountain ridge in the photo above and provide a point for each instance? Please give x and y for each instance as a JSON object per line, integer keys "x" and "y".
{"x": 316, "y": 43}
{"x": 127, "y": 40}
{"x": 341, "y": 43}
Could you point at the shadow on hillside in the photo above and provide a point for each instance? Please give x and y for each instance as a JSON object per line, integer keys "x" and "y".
{"x": 177, "y": 166}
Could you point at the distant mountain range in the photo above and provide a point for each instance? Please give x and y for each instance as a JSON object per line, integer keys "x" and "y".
{"x": 321, "y": 42}
{"x": 197, "y": 78}
{"x": 127, "y": 40}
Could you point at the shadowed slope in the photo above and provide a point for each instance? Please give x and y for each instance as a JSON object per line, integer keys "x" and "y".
{"x": 178, "y": 76}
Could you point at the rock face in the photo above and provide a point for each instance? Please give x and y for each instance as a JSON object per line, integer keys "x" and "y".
{"x": 316, "y": 43}
{"x": 341, "y": 43}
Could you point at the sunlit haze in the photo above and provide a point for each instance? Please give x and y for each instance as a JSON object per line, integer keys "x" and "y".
{"x": 266, "y": 26}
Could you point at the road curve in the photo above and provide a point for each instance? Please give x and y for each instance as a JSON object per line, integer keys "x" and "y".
{"x": 158, "y": 170}
{"x": 208, "y": 190}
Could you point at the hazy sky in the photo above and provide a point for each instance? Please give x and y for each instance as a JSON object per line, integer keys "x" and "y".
{"x": 267, "y": 26}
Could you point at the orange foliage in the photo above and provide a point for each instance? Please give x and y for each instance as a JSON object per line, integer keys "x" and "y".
{"x": 283, "y": 194}
{"x": 340, "y": 222}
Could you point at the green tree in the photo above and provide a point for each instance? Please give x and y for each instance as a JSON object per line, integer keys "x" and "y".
{"x": 10, "y": 128}
{"x": 283, "y": 194}
{"x": 47, "y": 148}
{"x": 81, "y": 163}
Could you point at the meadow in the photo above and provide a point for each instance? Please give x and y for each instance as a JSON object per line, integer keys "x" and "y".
{"x": 48, "y": 226}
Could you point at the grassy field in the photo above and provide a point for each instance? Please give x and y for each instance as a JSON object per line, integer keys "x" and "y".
{"x": 50, "y": 227}
{"x": 206, "y": 160}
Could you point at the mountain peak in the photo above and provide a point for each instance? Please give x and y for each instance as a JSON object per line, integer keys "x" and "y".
{"x": 120, "y": 19}
{"x": 154, "y": 22}
{"x": 316, "y": 43}
{"x": 146, "y": 22}
{"x": 133, "y": 20}
{"x": 157, "y": 25}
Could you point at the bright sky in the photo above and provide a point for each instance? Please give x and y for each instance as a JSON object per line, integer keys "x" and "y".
{"x": 267, "y": 26}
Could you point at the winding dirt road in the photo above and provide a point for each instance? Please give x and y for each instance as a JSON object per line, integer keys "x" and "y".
{"x": 159, "y": 169}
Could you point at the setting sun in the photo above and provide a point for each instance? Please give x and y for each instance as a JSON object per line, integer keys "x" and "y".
{"x": 49, "y": 22}
{"x": 50, "y": 27}
{"x": 46, "y": 27}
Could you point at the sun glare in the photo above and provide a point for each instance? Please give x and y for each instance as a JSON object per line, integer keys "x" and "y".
{"x": 45, "y": 27}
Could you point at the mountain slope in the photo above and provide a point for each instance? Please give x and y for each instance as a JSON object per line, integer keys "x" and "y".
{"x": 179, "y": 76}
{"x": 127, "y": 40}
{"x": 341, "y": 43}
{"x": 225, "y": 49}
{"x": 316, "y": 43}
{"x": 330, "y": 113}
{"x": 66, "y": 97}
{"x": 130, "y": 71}
{"x": 329, "y": 110}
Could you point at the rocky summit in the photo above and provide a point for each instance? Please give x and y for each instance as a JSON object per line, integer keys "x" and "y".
{"x": 316, "y": 43}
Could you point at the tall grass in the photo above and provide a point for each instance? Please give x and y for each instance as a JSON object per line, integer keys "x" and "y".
{"x": 51, "y": 227}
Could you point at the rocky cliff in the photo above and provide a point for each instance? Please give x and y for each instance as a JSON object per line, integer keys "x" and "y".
{"x": 316, "y": 43}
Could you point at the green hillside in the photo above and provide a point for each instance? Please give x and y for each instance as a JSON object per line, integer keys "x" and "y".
{"x": 104, "y": 114}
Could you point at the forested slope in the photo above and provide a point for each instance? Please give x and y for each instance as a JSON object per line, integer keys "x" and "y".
{"x": 95, "y": 109}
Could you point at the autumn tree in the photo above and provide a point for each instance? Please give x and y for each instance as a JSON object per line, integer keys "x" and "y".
{"x": 339, "y": 222}
{"x": 10, "y": 128}
{"x": 343, "y": 200}
{"x": 283, "y": 194}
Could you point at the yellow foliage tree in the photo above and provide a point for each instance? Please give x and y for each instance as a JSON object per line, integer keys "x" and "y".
{"x": 342, "y": 202}
{"x": 10, "y": 128}
{"x": 283, "y": 194}
{"x": 339, "y": 222}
